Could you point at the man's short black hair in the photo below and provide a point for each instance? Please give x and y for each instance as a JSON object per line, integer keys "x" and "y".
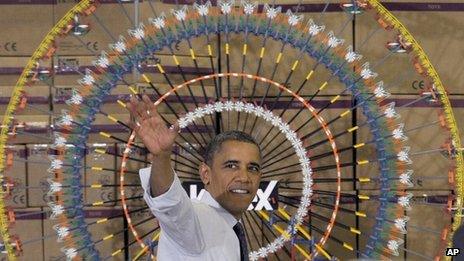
{"x": 216, "y": 143}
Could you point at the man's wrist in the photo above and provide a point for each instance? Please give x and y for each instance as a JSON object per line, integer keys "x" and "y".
{"x": 161, "y": 176}
{"x": 162, "y": 156}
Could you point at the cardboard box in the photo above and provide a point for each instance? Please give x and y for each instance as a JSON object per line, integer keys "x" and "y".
{"x": 16, "y": 174}
{"x": 19, "y": 36}
{"x": 114, "y": 225}
{"x": 29, "y": 228}
{"x": 431, "y": 29}
{"x": 37, "y": 174}
{"x": 28, "y": 104}
{"x": 112, "y": 17}
{"x": 11, "y": 68}
{"x": 427, "y": 219}
{"x": 429, "y": 33}
{"x": 36, "y": 94}
{"x": 31, "y": 129}
{"x": 105, "y": 177}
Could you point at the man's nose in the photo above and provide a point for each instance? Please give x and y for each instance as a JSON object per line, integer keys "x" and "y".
{"x": 243, "y": 175}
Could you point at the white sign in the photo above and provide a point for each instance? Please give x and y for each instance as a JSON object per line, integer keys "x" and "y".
{"x": 261, "y": 199}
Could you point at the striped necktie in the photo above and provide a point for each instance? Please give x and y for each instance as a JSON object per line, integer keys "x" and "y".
{"x": 238, "y": 229}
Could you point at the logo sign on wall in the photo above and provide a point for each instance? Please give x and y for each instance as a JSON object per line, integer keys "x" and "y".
{"x": 266, "y": 197}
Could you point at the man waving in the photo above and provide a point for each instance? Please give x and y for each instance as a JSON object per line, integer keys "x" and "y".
{"x": 206, "y": 229}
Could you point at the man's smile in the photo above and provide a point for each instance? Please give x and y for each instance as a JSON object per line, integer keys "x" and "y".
{"x": 240, "y": 191}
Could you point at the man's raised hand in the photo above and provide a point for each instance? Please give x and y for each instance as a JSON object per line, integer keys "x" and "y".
{"x": 150, "y": 127}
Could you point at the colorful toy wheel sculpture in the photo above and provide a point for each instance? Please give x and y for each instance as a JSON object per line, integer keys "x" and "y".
{"x": 242, "y": 27}
{"x": 339, "y": 162}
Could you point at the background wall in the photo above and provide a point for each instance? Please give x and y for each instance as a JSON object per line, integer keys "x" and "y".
{"x": 436, "y": 26}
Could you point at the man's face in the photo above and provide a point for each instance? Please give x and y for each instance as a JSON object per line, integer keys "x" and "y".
{"x": 234, "y": 176}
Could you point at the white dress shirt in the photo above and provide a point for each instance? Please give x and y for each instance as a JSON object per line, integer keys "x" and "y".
{"x": 191, "y": 229}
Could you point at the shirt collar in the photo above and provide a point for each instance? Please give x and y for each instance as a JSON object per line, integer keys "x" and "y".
{"x": 209, "y": 200}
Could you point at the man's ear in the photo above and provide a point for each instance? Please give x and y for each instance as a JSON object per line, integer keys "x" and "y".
{"x": 205, "y": 173}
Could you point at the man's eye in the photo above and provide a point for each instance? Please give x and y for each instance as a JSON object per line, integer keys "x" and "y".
{"x": 254, "y": 169}
{"x": 231, "y": 165}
